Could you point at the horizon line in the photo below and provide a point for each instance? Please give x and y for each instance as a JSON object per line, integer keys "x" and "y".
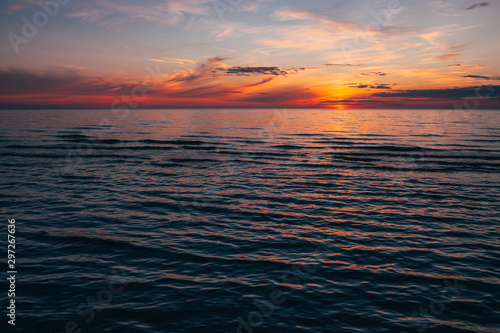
{"x": 244, "y": 108}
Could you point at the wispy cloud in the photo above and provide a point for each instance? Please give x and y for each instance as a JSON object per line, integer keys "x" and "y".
{"x": 340, "y": 65}
{"x": 201, "y": 73}
{"x": 264, "y": 81}
{"x": 439, "y": 4}
{"x": 21, "y": 81}
{"x": 20, "y": 4}
{"x": 326, "y": 15}
{"x": 115, "y": 12}
{"x": 447, "y": 56}
{"x": 478, "y": 5}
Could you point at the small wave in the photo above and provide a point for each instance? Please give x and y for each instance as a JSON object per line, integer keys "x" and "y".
{"x": 175, "y": 142}
{"x": 168, "y": 165}
{"x": 287, "y": 147}
{"x": 194, "y": 160}
{"x": 80, "y": 138}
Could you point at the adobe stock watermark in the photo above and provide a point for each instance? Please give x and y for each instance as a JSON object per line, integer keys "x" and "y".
{"x": 298, "y": 274}
{"x": 92, "y": 304}
{"x": 362, "y": 38}
{"x": 194, "y": 209}
{"x": 30, "y": 28}
{"x": 224, "y": 6}
{"x": 120, "y": 110}
{"x": 461, "y": 113}
{"x": 437, "y": 306}
{"x": 267, "y": 134}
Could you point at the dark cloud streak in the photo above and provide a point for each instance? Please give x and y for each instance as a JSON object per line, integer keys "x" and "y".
{"x": 478, "y": 5}
{"x": 477, "y": 77}
{"x": 453, "y": 93}
{"x": 371, "y": 86}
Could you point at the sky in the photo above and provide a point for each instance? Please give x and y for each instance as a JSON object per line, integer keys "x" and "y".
{"x": 342, "y": 54}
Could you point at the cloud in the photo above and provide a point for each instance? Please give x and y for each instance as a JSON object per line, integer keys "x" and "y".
{"x": 209, "y": 82}
{"x": 434, "y": 39}
{"x": 265, "y": 80}
{"x": 61, "y": 87}
{"x": 202, "y": 73}
{"x": 174, "y": 60}
{"x": 340, "y": 65}
{"x": 483, "y": 77}
{"x": 253, "y": 70}
{"x": 332, "y": 18}
{"x": 456, "y": 47}
{"x": 477, "y": 77}
{"x": 20, "y": 81}
{"x": 478, "y": 5}
{"x": 374, "y": 73}
{"x": 163, "y": 12}
{"x": 323, "y": 15}
{"x": 452, "y": 93}
{"x": 371, "y": 86}
{"x": 397, "y": 29}
{"x": 447, "y": 56}
{"x": 253, "y": 6}
{"x": 439, "y": 4}
{"x": 63, "y": 81}
{"x": 381, "y": 86}
{"x": 21, "y": 4}
{"x": 249, "y": 71}
{"x": 179, "y": 61}
{"x": 14, "y": 8}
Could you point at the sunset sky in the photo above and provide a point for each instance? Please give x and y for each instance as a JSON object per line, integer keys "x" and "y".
{"x": 249, "y": 54}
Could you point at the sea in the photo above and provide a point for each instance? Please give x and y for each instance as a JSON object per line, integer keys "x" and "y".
{"x": 253, "y": 221}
